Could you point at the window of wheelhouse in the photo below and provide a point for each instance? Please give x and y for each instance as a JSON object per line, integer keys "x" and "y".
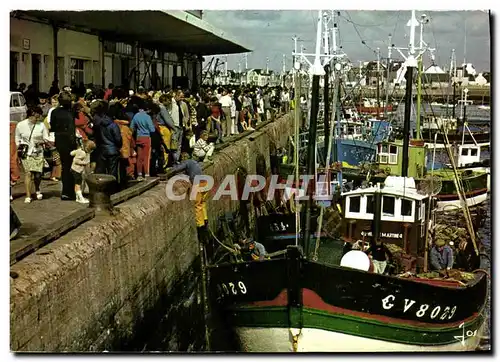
{"x": 406, "y": 207}
{"x": 388, "y": 154}
{"x": 370, "y": 202}
{"x": 388, "y": 203}
{"x": 355, "y": 204}
{"x": 473, "y": 152}
{"x": 465, "y": 151}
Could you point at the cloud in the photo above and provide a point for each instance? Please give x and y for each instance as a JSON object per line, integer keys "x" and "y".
{"x": 269, "y": 34}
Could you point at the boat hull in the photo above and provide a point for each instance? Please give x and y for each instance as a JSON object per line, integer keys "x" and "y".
{"x": 255, "y": 339}
{"x": 453, "y": 204}
{"x": 456, "y": 137}
{"x": 374, "y": 110}
{"x": 260, "y": 300}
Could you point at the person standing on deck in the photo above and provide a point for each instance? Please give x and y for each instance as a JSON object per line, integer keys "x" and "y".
{"x": 380, "y": 255}
{"x": 441, "y": 256}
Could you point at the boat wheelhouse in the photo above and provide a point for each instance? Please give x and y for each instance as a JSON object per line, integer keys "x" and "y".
{"x": 402, "y": 215}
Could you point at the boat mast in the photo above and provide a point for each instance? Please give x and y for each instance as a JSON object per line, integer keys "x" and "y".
{"x": 317, "y": 71}
{"x": 378, "y": 81}
{"x": 298, "y": 118}
{"x": 326, "y": 81}
{"x": 387, "y": 77}
{"x": 411, "y": 63}
{"x": 423, "y": 20}
{"x": 454, "y": 61}
{"x": 450, "y": 81}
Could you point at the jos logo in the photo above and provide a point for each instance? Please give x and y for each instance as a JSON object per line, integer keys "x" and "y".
{"x": 465, "y": 334}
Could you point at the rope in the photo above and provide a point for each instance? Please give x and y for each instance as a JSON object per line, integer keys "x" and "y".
{"x": 460, "y": 188}
{"x": 233, "y": 251}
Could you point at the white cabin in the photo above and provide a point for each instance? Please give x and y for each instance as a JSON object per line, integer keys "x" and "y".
{"x": 468, "y": 154}
{"x": 400, "y": 201}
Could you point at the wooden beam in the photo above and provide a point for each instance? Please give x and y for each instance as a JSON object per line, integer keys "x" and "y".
{"x": 133, "y": 191}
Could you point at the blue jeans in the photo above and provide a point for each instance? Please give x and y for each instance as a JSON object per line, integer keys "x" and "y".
{"x": 218, "y": 127}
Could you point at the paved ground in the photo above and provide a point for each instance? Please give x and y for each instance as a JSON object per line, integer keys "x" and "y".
{"x": 40, "y": 213}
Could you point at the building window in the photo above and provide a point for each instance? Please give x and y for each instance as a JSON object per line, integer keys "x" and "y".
{"x": 76, "y": 71}
{"x": 406, "y": 207}
{"x": 388, "y": 205}
{"x": 388, "y": 154}
{"x": 123, "y": 48}
{"x": 354, "y": 203}
{"x": 370, "y": 204}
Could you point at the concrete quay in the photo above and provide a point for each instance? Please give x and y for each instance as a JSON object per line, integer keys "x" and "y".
{"x": 107, "y": 282}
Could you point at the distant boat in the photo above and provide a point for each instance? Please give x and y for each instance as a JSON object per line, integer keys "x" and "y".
{"x": 486, "y": 108}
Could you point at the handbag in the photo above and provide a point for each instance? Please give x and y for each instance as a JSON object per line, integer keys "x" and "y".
{"x": 22, "y": 150}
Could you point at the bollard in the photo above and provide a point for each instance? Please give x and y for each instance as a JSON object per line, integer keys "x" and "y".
{"x": 100, "y": 189}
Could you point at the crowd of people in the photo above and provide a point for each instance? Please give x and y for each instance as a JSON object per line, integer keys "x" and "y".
{"x": 78, "y": 130}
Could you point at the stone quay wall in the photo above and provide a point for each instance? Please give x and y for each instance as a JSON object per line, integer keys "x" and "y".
{"x": 103, "y": 285}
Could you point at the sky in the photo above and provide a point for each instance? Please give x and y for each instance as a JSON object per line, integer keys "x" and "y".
{"x": 269, "y": 34}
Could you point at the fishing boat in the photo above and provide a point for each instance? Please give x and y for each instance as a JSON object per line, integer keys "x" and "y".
{"x": 474, "y": 177}
{"x": 324, "y": 297}
{"x": 370, "y": 106}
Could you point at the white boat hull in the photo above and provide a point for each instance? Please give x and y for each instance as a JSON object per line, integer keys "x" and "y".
{"x": 318, "y": 340}
{"x": 456, "y": 204}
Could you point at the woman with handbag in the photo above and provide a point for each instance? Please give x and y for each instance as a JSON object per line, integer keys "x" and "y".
{"x": 31, "y": 136}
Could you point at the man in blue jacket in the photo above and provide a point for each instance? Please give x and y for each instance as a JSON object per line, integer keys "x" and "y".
{"x": 441, "y": 256}
{"x": 108, "y": 140}
{"x": 142, "y": 125}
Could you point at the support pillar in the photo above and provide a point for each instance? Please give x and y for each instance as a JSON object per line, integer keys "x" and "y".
{"x": 55, "y": 31}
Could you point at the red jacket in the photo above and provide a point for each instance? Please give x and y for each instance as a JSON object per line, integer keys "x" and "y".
{"x": 82, "y": 125}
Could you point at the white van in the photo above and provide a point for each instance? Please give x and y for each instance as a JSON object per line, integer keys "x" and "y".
{"x": 18, "y": 107}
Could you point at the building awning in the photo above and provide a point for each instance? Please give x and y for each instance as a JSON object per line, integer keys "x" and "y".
{"x": 174, "y": 30}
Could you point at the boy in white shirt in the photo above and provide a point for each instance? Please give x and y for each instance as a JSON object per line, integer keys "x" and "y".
{"x": 202, "y": 149}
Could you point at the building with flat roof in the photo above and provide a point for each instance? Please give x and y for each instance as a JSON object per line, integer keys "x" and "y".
{"x": 129, "y": 48}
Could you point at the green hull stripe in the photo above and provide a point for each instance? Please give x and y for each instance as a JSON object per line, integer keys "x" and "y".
{"x": 277, "y": 317}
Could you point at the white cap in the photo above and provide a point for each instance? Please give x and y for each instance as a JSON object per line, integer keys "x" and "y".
{"x": 130, "y": 92}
